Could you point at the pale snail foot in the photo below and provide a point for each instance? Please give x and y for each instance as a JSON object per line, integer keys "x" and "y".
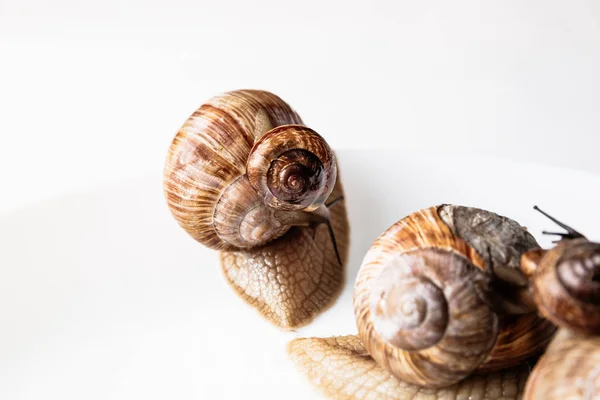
{"x": 294, "y": 278}
{"x": 341, "y": 368}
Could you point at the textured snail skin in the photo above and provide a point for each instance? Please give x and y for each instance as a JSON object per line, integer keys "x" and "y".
{"x": 568, "y": 370}
{"x": 222, "y": 172}
{"x": 565, "y": 282}
{"x": 341, "y": 368}
{"x": 425, "y": 300}
{"x": 290, "y": 280}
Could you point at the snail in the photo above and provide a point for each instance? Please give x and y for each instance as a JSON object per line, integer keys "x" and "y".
{"x": 246, "y": 177}
{"x": 440, "y": 298}
{"x": 565, "y": 286}
{"x": 565, "y": 280}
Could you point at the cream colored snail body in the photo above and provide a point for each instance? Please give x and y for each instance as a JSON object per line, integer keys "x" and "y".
{"x": 341, "y": 368}
{"x": 244, "y": 175}
{"x": 439, "y": 298}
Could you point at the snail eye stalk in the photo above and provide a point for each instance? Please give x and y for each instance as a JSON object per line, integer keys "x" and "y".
{"x": 571, "y": 233}
{"x": 330, "y": 228}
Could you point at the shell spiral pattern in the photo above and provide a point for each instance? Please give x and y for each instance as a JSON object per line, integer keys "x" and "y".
{"x": 425, "y": 299}
{"x": 211, "y": 150}
{"x": 445, "y": 318}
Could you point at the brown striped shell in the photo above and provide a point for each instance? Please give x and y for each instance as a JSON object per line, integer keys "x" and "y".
{"x": 245, "y": 176}
{"x": 232, "y": 159}
{"x": 436, "y": 297}
{"x": 565, "y": 284}
{"x": 568, "y": 370}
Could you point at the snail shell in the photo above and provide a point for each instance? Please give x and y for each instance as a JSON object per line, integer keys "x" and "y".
{"x": 565, "y": 283}
{"x": 245, "y": 176}
{"x": 427, "y": 303}
{"x": 239, "y": 161}
{"x": 569, "y": 369}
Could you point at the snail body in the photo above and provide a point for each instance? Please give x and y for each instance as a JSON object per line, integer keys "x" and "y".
{"x": 242, "y": 176}
{"x": 349, "y": 373}
{"x": 427, "y": 303}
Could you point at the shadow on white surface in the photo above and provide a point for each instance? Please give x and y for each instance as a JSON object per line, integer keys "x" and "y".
{"x": 103, "y": 296}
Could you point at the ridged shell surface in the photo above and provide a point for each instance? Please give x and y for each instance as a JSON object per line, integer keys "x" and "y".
{"x": 445, "y": 258}
{"x": 210, "y": 152}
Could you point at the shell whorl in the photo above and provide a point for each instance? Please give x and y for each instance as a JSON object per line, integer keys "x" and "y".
{"x": 208, "y": 154}
{"x": 292, "y": 168}
{"x": 566, "y": 285}
{"x": 418, "y": 303}
{"x": 438, "y": 296}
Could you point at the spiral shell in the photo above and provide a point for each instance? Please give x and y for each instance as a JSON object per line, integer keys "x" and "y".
{"x": 566, "y": 285}
{"x": 292, "y": 168}
{"x": 205, "y": 180}
{"x": 423, "y": 300}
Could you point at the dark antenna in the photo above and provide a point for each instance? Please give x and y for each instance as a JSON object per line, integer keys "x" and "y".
{"x": 329, "y": 205}
{"x": 337, "y": 254}
{"x": 571, "y": 233}
{"x": 333, "y": 202}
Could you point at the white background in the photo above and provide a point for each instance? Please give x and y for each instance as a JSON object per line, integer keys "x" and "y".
{"x": 92, "y": 89}
{"x": 492, "y": 104}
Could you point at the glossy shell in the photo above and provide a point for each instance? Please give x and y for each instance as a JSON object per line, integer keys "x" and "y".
{"x": 210, "y": 152}
{"x": 278, "y": 148}
{"x": 425, "y": 301}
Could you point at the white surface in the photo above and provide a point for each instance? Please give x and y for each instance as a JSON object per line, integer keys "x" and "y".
{"x": 103, "y": 296}
{"x": 92, "y": 89}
